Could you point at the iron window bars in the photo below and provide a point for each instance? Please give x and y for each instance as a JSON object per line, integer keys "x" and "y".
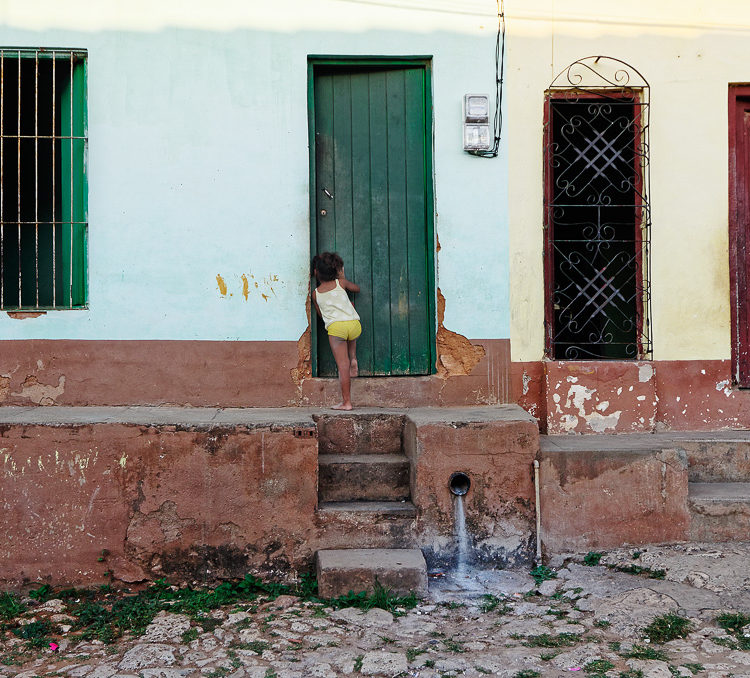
{"x": 597, "y": 213}
{"x": 43, "y": 145}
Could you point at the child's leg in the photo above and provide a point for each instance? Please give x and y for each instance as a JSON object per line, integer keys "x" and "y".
{"x": 351, "y": 348}
{"x": 341, "y": 356}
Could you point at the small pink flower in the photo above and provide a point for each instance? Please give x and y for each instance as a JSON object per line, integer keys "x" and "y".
{"x": 53, "y": 647}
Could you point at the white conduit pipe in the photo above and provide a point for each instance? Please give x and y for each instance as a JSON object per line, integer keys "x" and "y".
{"x": 538, "y": 560}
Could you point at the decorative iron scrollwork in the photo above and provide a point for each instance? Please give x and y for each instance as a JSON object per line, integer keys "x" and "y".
{"x": 597, "y": 213}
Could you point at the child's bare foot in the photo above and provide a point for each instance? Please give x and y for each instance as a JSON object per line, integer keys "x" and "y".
{"x": 353, "y": 368}
{"x": 343, "y": 406}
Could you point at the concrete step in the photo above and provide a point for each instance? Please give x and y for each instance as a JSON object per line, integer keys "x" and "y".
{"x": 363, "y": 477}
{"x": 401, "y": 571}
{"x": 719, "y": 458}
{"x": 367, "y": 433}
{"x": 719, "y": 511}
{"x": 367, "y": 509}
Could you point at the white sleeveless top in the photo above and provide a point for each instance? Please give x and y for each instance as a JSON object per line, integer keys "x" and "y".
{"x": 335, "y": 306}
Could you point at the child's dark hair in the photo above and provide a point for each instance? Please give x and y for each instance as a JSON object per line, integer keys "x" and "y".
{"x": 328, "y": 265}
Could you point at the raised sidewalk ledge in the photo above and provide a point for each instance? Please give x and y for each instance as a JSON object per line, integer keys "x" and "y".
{"x": 252, "y": 417}
{"x": 636, "y": 442}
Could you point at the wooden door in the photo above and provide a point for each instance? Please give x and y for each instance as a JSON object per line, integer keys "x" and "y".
{"x": 739, "y": 231}
{"x": 371, "y": 201}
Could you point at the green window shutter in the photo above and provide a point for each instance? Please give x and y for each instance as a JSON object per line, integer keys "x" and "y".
{"x": 71, "y": 275}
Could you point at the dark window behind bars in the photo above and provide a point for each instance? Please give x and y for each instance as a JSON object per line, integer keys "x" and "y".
{"x": 42, "y": 179}
{"x": 594, "y": 240}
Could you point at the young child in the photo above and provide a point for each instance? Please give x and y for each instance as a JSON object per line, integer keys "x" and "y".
{"x": 341, "y": 320}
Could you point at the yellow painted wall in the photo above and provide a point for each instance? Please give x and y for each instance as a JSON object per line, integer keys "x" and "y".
{"x": 689, "y": 51}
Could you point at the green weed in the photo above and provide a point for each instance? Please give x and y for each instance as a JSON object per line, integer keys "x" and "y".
{"x": 35, "y": 634}
{"x": 380, "y": 597}
{"x": 412, "y": 653}
{"x": 527, "y": 673}
{"x": 190, "y": 635}
{"x": 668, "y": 627}
{"x": 640, "y": 652}
{"x": 733, "y": 622}
{"x": 42, "y": 594}
{"x": 257, "y": 646}
{"x": 602, "y": 624}
{"x": 542, "y": 573}
{"x": 454, "y": 645}
{"x": 548, "y": 640}
{"x": 598, "y": 667}
{"x": 358, "y": 662}
{"x": 10, "y": 606}
{"x": 592, "y": 558}
{"x": 693, "y": 667}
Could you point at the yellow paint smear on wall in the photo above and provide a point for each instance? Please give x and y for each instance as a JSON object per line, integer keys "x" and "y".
{"x": 222, "y": 285}
{"x": 245, "y": 286}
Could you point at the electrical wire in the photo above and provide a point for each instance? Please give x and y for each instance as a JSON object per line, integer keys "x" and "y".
{"x": 499, "y": 74}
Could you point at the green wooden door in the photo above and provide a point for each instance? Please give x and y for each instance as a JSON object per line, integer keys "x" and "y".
{"x": 372, "y": 203}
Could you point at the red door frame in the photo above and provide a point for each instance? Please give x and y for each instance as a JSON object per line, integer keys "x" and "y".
{"x": 739, "y": 230}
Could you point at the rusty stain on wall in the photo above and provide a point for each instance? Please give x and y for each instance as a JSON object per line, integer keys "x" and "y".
{"x": 265, "y": 286}
{"x": 25, "y": 315}
{"x": 222, "y": 285}
{"x": 457, "y": 356}
{"x": 41, "y": 394}
{"x": 304, "y": 361}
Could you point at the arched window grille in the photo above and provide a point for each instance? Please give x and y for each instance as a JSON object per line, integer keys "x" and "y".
{"x": 596, "y": 211}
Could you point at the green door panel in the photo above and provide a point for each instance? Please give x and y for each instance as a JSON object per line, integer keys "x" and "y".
{"x": 372, "y": 204}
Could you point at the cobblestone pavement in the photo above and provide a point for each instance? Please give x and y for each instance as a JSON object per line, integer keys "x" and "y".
{"x": 588, "y": 621}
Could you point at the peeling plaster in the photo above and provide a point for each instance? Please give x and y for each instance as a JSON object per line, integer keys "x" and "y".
{"x": 457, "y": 356}
{"x": 645, "y": 372}
{"x": 526, "y": 379}
{"x": 725, "y": 387}
{"x": 40, "y": 394}
{"x": 600, "y": 423}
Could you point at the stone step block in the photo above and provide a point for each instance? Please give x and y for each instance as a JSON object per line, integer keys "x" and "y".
{"x": 363, "y": 477}
{"x": 401, "y": 571}
{"x": 719, "y": 511}
{"x": 719, "y": 459}
{"x": 360, "y": 433}
{"x": 383, "y": 509}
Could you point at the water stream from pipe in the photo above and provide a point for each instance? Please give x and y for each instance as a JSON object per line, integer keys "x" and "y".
{"x": 462, "y": 539}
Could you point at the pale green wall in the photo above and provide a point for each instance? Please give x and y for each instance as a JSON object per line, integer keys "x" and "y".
{"x": 198, "y": 163}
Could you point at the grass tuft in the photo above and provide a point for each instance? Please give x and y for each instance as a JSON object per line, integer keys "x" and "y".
{"x": 668, "y": 627}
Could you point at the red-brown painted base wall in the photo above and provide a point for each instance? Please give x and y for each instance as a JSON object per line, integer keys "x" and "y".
{"x": 229, "y": 374}
{"x": 204, "y": 501}
{"x": 635, "y": 396}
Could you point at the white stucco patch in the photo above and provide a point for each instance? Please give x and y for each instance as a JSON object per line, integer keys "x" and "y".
{"x": 572, "y": 380}
{"x": 603, "y": 405}
{"x": 568, "y": 422}
{"x": 577, "y": 396}
{"x": 724, "y": 386}
{"x": 645, "y": 372}
{"x": 599, "y": 423}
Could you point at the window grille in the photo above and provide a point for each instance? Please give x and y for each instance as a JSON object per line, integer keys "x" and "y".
{"x": 43, "y": 145}
{"x": 597, "y": 215}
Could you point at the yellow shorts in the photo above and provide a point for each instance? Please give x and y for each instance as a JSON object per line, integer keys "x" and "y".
{"x": 345, "y": 329}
